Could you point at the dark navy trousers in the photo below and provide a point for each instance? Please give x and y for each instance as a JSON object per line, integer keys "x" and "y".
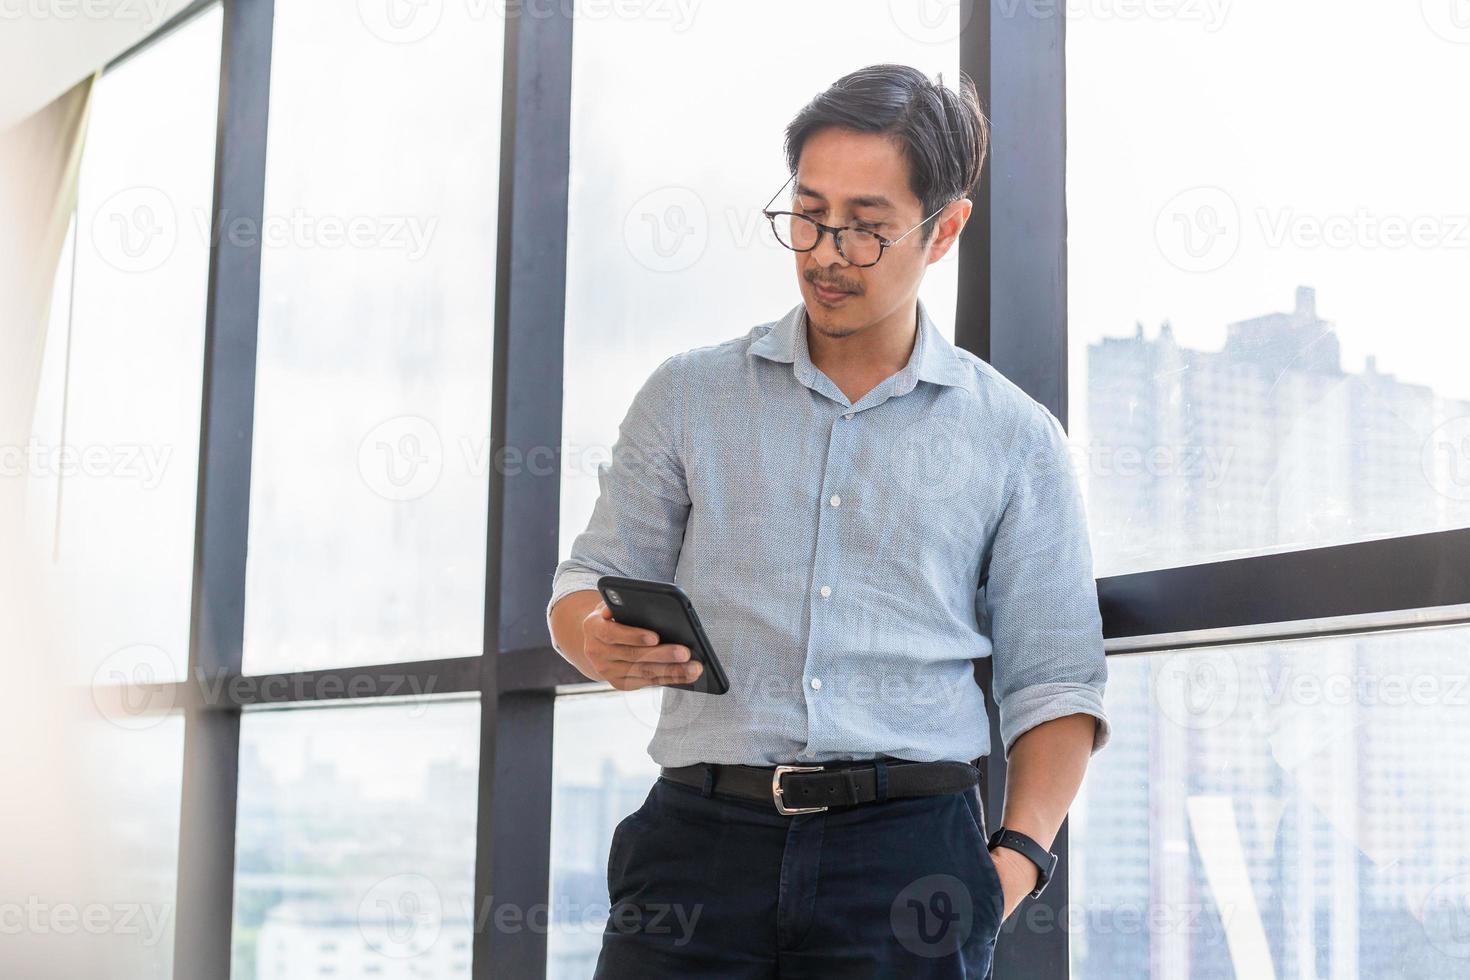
{"x": 701, "y": 885}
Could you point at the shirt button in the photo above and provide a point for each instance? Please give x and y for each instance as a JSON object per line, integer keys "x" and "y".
{"x": 848, "y": 415}
{"x": 836, "y": 500}
{"x": 816, "y": 683}
{"x": 826, "y": 591}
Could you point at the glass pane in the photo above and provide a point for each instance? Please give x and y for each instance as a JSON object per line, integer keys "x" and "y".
{"x": 88, "y": 882}
{"x": 1297, "y": 809}
{"x": 370, "y": 480}
{"x": 601, "y": 773}
{"x": 133, "y": 773}
{"x": 355, "y": 842}
{"x": 116, "y": 432}
{"x": 1267, "y": 307}
{"x": 667, "y": 249}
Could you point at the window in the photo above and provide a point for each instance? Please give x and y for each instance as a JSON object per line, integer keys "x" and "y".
{"x": 355, "y": 840}
{"x": 1263, "y": 360}
{"x": 371, "y": 451}
{"x": 119, "y": 401}
{"x": 601, "y": 773}
{"x": 1265, "y": 305}
{"x": 667, "y": 249}
{"x": 123, "y": 856}
{"x": 1288, "y": 809}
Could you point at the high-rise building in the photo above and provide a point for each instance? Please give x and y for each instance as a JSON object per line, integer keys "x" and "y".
{"x": 1282, "y": 817}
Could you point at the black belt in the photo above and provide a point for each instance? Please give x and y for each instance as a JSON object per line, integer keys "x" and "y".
{"x": 812, "y": 789}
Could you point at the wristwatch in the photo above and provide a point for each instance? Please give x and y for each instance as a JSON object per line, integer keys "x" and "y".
{"x": 1045, "y": 861}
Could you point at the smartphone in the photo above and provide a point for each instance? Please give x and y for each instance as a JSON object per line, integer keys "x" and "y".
{"x": 664, "y": 608}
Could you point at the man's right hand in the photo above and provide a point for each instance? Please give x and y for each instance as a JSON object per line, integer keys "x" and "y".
{"x": 629, "y": 658}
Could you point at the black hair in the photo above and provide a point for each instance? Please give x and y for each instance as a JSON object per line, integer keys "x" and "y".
{"x": 944, "y": 134}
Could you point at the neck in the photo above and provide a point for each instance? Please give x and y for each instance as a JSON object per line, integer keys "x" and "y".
{"x": 876, "y": 350}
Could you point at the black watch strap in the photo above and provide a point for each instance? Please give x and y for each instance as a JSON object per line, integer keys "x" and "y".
{"x": 1045, "y": 861}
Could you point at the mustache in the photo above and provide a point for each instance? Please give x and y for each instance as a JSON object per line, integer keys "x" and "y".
{"x": 833, "y": 283}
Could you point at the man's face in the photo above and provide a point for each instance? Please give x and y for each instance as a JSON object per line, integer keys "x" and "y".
{"x": 845, "y": 178}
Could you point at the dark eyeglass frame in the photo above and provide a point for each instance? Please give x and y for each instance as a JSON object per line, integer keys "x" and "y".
{"x": 883, "y": 243}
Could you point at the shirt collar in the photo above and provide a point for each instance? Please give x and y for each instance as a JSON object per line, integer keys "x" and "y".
{"x": 933, "y": 358}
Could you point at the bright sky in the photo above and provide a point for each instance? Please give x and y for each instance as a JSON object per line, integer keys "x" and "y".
{"x": 1306, "y": 116}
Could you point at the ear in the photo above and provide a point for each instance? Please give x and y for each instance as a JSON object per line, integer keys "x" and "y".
{"x": 949, "y": 223}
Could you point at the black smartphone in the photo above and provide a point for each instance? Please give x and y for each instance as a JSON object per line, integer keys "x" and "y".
{"x": 664, "y": 608}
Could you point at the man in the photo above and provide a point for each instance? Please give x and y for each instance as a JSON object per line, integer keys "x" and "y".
{"x": 858, "y": 510}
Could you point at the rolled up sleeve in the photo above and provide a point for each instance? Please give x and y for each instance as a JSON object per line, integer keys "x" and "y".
{"x": 1038, "y": 592}
{"x": 637, "y": 524}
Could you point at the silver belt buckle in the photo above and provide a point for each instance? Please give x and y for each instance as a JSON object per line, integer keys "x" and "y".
{"x": 776, "y": 793}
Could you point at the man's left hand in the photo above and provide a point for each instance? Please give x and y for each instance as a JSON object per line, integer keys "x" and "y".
{"x": 1018, "y": 877}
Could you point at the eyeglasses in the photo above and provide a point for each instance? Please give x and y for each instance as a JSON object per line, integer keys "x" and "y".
{"x": 857, "y": 246}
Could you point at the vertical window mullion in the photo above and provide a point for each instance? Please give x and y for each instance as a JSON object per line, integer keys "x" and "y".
{"x": 513, "y": 835}
{"x": 1022, "y": 263}
{"x": 211, "y": 736}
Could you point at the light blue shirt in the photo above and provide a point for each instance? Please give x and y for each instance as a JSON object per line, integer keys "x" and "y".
{"x": 850, "y": 560}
